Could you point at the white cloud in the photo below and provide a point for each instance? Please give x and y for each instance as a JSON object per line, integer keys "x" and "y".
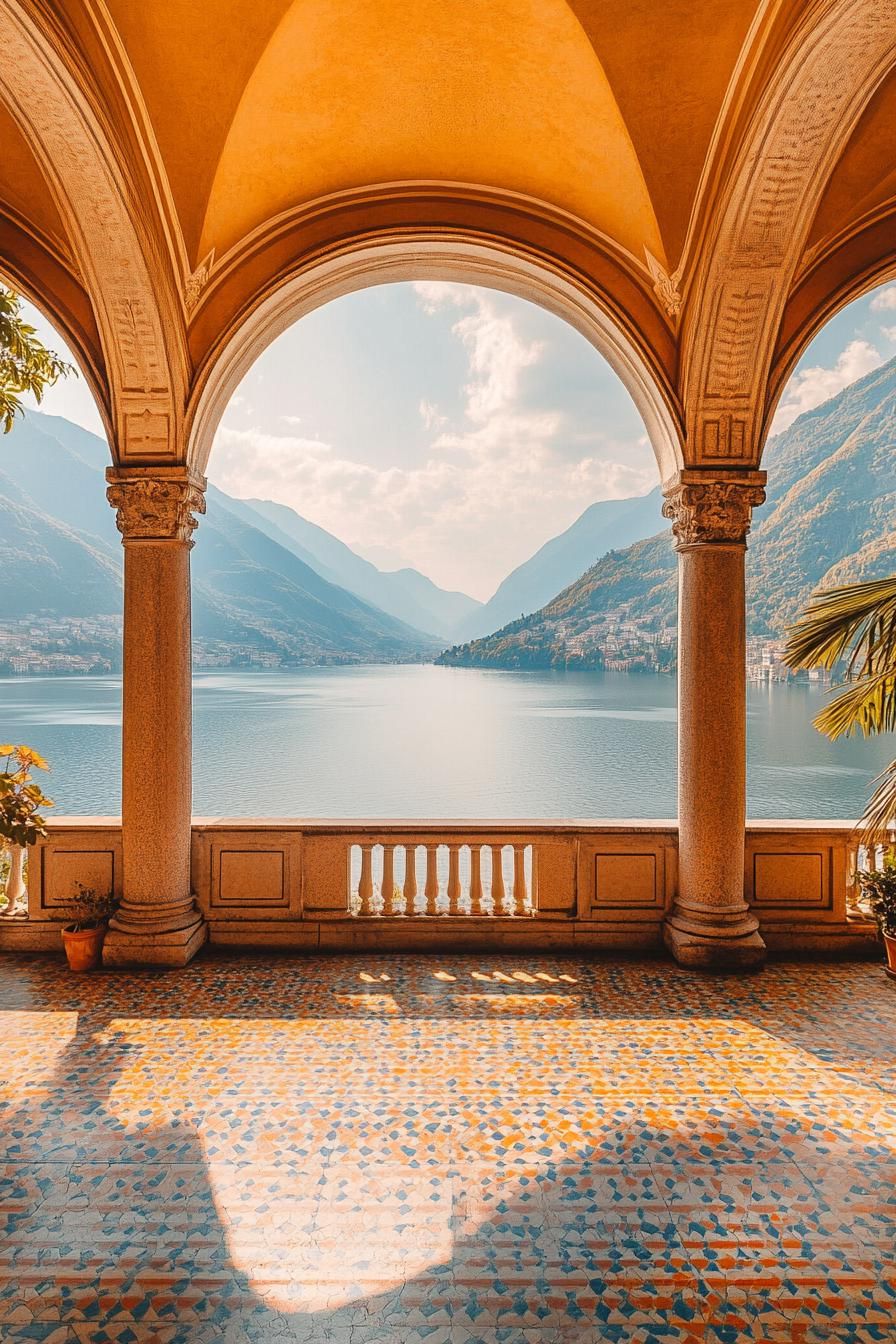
{"x": 490, "y": 485}
{"x": 885, "y": 300}
{"x": 291, "y": 419}
{"x": 431, "y": 416}
{"x": 810, "y": 387}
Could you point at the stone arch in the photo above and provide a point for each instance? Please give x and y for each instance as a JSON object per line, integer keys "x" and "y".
{"x": 429, "y": 259}
{"x": 130, "y": 282}
{"x": 834, "y": 61}
{"x": 842, "y": 278}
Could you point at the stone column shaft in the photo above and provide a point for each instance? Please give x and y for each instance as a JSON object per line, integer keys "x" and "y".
{"x": 711, "y": 924}
{"x": 157, "y": 922}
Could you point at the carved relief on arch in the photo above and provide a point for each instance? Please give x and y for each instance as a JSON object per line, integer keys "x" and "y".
{"x": 808, "y": 111}
{"x": 143, "y": 345}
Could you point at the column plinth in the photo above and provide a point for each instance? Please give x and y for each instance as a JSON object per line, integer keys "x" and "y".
{"x": 710, "y": 924}
{"x": 157, "y": 923}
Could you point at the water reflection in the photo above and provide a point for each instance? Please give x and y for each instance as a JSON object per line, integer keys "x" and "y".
{"x": 445, "y": 742}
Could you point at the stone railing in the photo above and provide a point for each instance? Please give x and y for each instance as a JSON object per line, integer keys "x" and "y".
{"x": 573, "y": 885}
{"x": 417, "y": 877}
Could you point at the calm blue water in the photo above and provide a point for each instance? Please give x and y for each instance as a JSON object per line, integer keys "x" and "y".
{"x": 440, "y": 742}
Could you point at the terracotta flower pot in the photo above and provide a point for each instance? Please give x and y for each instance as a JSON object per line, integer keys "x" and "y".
{"x": 84, "y": 948}
{"x": 890, "y": 945}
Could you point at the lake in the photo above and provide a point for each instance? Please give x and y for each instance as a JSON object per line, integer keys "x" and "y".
{"x": 438, "y": 742}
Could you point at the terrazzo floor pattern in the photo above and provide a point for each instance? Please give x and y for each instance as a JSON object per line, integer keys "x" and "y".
{"x": 447, "y": 1149}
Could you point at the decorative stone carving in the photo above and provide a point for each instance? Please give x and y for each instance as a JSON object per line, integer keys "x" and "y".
{"x": 197, "y": 282}
{"x": 703, "y": 512}
{"x": 665, "y": 286}
{"x": 156, "y": 506}
{"x": 759, "y": 223}
{"x": 118, "y": 246}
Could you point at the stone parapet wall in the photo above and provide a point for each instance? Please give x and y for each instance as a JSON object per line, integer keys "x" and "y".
{"x": 482, "y": 884}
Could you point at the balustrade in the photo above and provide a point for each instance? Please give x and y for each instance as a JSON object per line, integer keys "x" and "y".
{"x": 397, "y": 885}
{"x": 451, "y": 878}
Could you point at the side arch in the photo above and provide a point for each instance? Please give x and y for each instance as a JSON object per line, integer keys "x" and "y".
{"x": 32, "y": 269}
{"x": 428, "y": 258}
{"x": 834, "y": 62}
{"x": 860, "y": 263}
{"x": 117, "y": 250}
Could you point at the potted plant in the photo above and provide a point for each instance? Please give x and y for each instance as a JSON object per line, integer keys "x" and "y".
{"x": 20, "y": 821}
{"x": 878, "y": 888}
{"x": 82, "y": 936}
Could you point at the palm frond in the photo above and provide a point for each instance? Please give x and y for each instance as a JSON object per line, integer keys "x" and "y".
{"x": 879, "y": 818}
{"x": 868, "y": 703}
{"x": 856, "y": 623}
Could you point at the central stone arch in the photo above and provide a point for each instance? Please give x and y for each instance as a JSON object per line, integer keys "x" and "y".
{"x": 413, "y": 258}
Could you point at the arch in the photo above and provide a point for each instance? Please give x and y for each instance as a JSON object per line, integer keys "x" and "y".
{"x": 817, "y": 319}
{"x": 115, "y": 244}
{"x": 30, "y": 267}
{"x": 833, "y": 63}
{"x": 428, "y": 259}
{"x": 859, "y": 262}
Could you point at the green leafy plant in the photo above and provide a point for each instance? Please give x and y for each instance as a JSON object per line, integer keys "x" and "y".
{"x": 88, "y": 910}
{"x": 855, "y": 627}
{"x": 21, "y": 797}
{"x": 26, "y": 365}
{"x": 878, "y": 887}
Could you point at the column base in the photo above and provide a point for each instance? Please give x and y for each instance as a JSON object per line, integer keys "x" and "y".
{"x": 704, "y": 952}
{"x": 142, "y": 947}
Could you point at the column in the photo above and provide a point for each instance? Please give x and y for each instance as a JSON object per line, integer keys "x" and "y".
{"x": 711, "y": 924}
{"x": 157, "y": 923}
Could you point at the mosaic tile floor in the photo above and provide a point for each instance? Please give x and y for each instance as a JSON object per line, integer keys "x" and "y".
{"x": 356, "y": 1150}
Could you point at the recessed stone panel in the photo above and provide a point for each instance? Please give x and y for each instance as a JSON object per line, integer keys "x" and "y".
{"x": 251, "y": 878}
{"x": 789, "y": 880}
{"x": 626, "y": 880}
{"x": 65, "y": 868}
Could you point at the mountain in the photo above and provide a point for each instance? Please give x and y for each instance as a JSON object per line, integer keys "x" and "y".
{"x": 404, "y": 593}
{"x": 830, "y": 518}
{"x": 45, "y": 563}
{"x": 606, "y": 526}
{"x": 246, "y": 582}
{"x": 61, "y": 555}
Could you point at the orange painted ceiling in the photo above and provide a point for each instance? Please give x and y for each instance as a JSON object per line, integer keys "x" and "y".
{"x": 605, "y": 109}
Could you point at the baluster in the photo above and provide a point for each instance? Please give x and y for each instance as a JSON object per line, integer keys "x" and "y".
{"x": 498, "y": 893}
{"x": 476, "y": 880}
{"x": 453, "y": 879}
{"x": 365, "y": 883}
{"x": 432, "y": 879}
{"x": 410, "y": 879}
{"x": 520, "y": 902}
{"x": 15, "y": 879}
{"x": 387, "y": 886}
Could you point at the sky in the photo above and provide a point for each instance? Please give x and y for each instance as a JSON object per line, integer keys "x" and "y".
{"x": 453, "y": 428}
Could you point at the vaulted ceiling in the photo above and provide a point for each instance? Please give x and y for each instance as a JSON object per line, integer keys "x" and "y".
{"x": 237, "y": 126}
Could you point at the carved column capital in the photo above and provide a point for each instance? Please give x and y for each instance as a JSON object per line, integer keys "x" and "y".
{"x": 708, "y": 507}
{"x": 156, "y": 503}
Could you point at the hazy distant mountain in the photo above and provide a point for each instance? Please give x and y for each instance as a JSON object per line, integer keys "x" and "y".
{"x": 45, "y": 565}
{"x": 258, "y": 585}
{"x": 61, "y": 555}
{"x": 830, "y": 519}
{"x": 605, "y": 526}
{"x": 51, "y": 466}
{"x": 404, "y": 593}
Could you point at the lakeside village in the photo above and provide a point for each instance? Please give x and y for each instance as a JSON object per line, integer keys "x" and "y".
{"x": 44, "y": 645}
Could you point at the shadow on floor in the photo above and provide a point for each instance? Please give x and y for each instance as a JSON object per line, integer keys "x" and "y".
{"x": 435, "y": 1148}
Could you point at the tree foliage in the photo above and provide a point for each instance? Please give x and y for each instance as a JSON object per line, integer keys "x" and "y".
{"x": 855, "y": 627}
{"x": 26, "y": 365}
{"x": 20, "y": 796}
